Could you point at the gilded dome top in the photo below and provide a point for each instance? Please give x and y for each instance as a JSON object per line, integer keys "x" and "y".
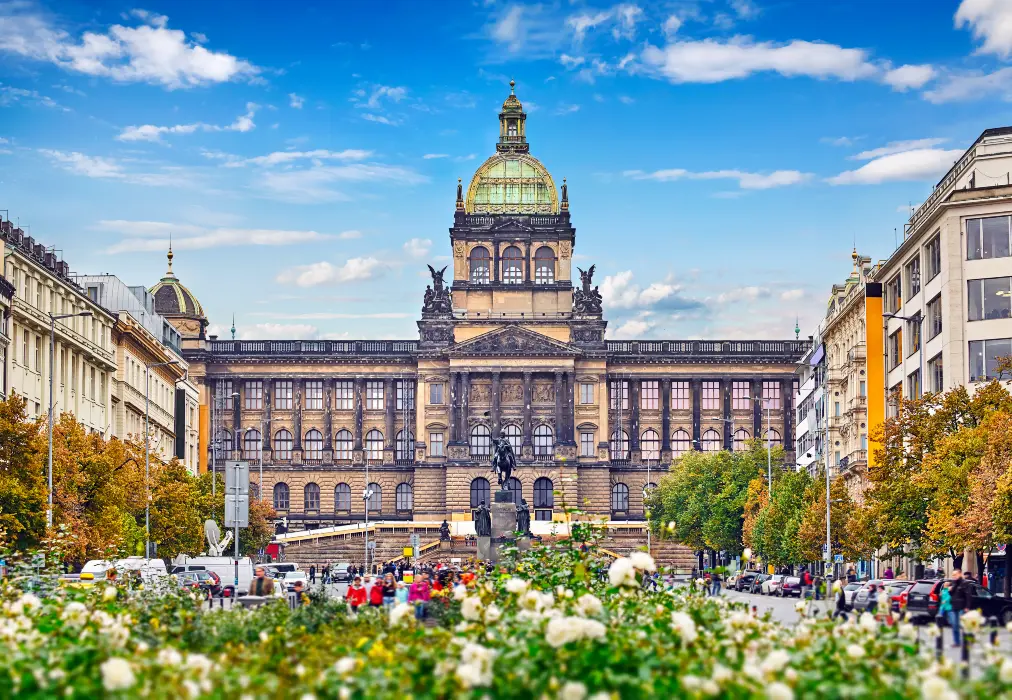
{"x": 173, "y": 299}
{"x": 512, "y": 183}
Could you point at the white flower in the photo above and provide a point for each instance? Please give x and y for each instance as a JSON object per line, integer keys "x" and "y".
{"x": 775, "y": 661}
{"x": 344, "y": 693}
{"x": 562, "y": 630}
{"x": 589, "y": 605}
{"x": 709, "y": 687}
{"x": 117, "y": 674}
{"x": 471, "y": 608}
{"x": 199, "y": 663}
{"x": 492, "y": 614}
{"x": 691, "y": 683}
{"x": 855, "y": 651}
{"x": 459, "y": 592}
{"x": 779, "y": 691}
{"x": 167, "y": 656}
{"x": 516, "y": 586}
{"x": 642, "y": 561}
{"x": 345, "y": 665}
{"x": 800, "y": 606}
{"x": 908, "y": 631}
{"x": 75, "y": 614}
{"x": 936, "y": 688}
{"x": 109, "y": 593}
{"x": 25, "y": 604}
{"x": 721, "y": 673}
{"x": 972, "y": 620}
{"x": 622, "y": 572}
{"x": 308, "y": 696}
{"x": 573, "y": 690}
{"x": 868, "y": 622}
{"x": 684, "y": 626}
{"x": 264, "y": 636}
{"x": 475, "y": 668}
{"x": 1005, "y": 671}
{"x": 399, "y": 613}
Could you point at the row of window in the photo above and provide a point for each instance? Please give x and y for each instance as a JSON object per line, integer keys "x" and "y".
{"x": 312, "y": 444}
{"x": 403, "y": 497}
{"x": 681, "y": 442}
{"x": 984, "y": 357}
{"x": 681, "y": 395}
{"x": 93, "y": 382}
{"x": 33, "y": 291}
{"x": 512, "y": 265}
{"x": 544, "y": 494}
{"x": 285, "y": 398}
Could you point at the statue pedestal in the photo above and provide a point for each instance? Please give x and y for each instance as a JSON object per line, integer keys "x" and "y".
{"x": 485, "y": 551}
{"x": 504, "y": 522}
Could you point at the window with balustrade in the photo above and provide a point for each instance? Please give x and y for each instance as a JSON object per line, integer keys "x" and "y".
{"x": 650, "y": 395}
{"x": 650, "y": 444}
{"x": 480, "y": 265}
{"x": 681, "y": 396}
{"x": 374, "y": 445}
{"x": 436, "y": 445}
{"x": 283, "y": 441}
{"x": 314, "y": 396}
{"x": 343, "y": 443}
{"x": 283, "y": 395}
{"x": 404, "y": 446}
{"x": 313, "y": 444}
{"x": 342, "y": 498}
{"x": 709, "y": 398}
{"x": 344, "y": 396}
{"x": 544, "y": 441}
{"x": 588, "y": 448}
{"x": 681, "y": 442}
{"x": 513, "y": 436}
{"x": 512, "y": 265}
{"x": 620, "y": 445}
{"x": 312, "y": 497}
{"x": 711, "y": 441}
{"x": 481, "y": 441}
{"x": 544, "y": 265}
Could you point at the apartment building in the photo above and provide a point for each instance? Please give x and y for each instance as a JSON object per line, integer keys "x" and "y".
{"x": 84, "y": 357}
{"x": 163, "y": 396}
{"x": 810, "y": 400}
{"x": 947, "y": 289}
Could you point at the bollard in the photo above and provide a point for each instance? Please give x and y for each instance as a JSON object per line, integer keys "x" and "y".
{"x": 965, "y": 657}
{"x": 938, "y": 644}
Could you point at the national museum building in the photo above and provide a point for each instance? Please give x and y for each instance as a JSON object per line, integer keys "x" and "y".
{"x": 507, "y": 345}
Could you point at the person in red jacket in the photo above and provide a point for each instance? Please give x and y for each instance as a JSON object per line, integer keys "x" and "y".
{"x": 356, "y": 594}
{"x": 376, "y": 593}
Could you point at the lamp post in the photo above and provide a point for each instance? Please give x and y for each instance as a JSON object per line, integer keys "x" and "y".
{"x": 147, "y": 452}
{"x": 52, "y": 350}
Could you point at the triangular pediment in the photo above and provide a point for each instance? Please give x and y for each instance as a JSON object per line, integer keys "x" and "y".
{"x": 513, "y": 341}
{"x": 512, "y": 225}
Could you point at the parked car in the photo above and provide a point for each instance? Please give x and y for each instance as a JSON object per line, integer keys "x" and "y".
{"x": 897, "y": 591}
{"x": 290, "y": 577}
{"x": 771, "y": 585}
{"x": 924, "y": 596}
{"x": 789, "y": 586}
{"x": 744, "y": 580}
{"x": 341, "y": 572}
{"x": 757, "y": 582}
{"x": 863, "y": 595}
{"x": 205, "y": 581}
{"x": 848, "y": 594}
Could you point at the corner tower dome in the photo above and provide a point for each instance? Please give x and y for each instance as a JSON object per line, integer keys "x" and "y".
{"x": 512, "y": 181}
{"x": 178, "y": 304}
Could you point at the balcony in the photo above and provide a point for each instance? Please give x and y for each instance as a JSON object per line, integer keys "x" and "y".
{"x": 546, "y": 458}
{"x": 312, "y": 347}
{"x": 857, "y": 403}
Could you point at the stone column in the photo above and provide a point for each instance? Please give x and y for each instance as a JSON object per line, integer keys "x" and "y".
{"x": 725, "y": 390}
{"x": 465, "y": 402}
{"x": 267, "y": 417}
{"x": 494, "y": 277}
{"x": 451, "y": 395}
{"x": 787, "y": 401}
{"x": 495, "y": 405}
{"x": 297, "y": 412}
{"x": 603, "y": 401}
{"x": 328, "y": 417}
{"x": 570, "y": 408}
{"x": 389, "y": 405}
{"x": 634, "y": 415}
{"x": 560, "y": 403}
{"x": 757, "y": 408}
{"x": 528, "y": 398}
{"x": 359, "y": 384}
{"x": 696, "y": 408}
{"x": 665, "y": 415}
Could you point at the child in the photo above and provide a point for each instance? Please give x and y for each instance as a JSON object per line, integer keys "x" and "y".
{"x": 945, "y": 604}
{"x": 402, "y": 593}
{"x": 356, "y": 595}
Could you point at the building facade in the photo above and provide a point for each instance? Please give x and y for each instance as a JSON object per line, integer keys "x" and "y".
{"x": 507, "y": 345}
{"x": 144, "y": 339}
{"x": 810, "y": 408}
{"x": 84, "y": 357}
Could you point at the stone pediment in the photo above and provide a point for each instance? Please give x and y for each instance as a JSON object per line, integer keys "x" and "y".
{"x": 513, "y": 341}
{"x": 511, "y": 225}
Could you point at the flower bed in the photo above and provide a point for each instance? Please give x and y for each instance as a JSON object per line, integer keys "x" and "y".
{"x": 552, "y": 625}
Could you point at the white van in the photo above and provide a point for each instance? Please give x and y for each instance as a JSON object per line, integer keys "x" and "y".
{"x": 147, "y": 569}
{"x": 223, "y": 566}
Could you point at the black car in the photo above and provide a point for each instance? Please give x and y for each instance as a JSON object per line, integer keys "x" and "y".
{"x": 745, "y": 580}
{"x": 757, "y": 583}
{"x": 925, "y": 595}
{"x": 790, "y": 586}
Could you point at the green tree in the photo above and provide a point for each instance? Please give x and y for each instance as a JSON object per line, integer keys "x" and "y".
{"x": 23, "y": 487}
{"x": 812, "y": 528}
{"x": 775, "y": 533}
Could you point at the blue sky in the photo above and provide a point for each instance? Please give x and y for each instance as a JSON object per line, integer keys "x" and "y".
{"x": 723, "y": 156}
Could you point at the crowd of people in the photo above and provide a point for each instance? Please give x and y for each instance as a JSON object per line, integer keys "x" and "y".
{"x": 389, "y": 587}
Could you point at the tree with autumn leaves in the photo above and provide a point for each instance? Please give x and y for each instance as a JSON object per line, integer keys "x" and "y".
{"x": 99, "y": 493}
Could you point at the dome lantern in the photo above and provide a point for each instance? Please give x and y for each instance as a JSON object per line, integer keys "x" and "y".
{"x": 178, "y": 304}
{"x": 512, "y": 125}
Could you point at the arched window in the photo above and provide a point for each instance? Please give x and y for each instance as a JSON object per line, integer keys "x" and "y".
{"x": 648, "y": 488}
{"x": 479, "y": 265}
{"x": 404, "y": 445}
{"x": 514, "y": 437}
{"x": 620, "y": 498}
{"x": 512, "y": 265}
{"x": 544, "y": 498}
{"x": 226, "y": 444}
{"x": 680, "y": 443}
{"x": 342, "y": 498}
{"x": 650, "y": 444}
{"x": 281, "y": 496}
{"x": 620, "y": 445}
{"x": 741, "y": 437}
{"x": 711, "y": 441}
{"x": 343, "y": 443}
{"x": 252, "y": 443}
{"x": 404, "y": 497}
{"x": 544, "y": 441}
{"x": 374, "y": 445}
{"x": 282, "y": 444}
{"x": 516, "y": 489}
{"x": 479, "y": 492}
{"x": 375, "y": 497}
{"x": 544, "y": 265}
{"x": 773, "y": 437}
{"x": 312, "y": 497}
{"x": 313, "y": 444}
{"x": 481, "y": 441}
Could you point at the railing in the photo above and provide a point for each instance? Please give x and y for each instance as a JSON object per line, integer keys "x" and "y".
{"x": 793, "y": 348}
{"x": 312, "y": 347}
{"x": 857, "y": 456}
{"x": 544, "y": 458}
{"x": 515, "y": 315}
{"x": 482, "y": 220}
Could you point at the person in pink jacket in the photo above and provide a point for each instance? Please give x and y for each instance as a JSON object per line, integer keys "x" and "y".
{"x": 420, "y": 593}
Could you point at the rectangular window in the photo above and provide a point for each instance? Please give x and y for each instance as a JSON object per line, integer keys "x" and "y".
{"x": 436, "y": 444}
{"x": 741, "y": 396}
{"x": 254, "y": 395}
{"x": 864, "y": 389}
{"x": 894, "y": 294}
{"x": 587, "y": 447}
{"x": 935, "y": 375}
{"x": 24, "y": 349}
{"x": 314, "y": 396}
{"x": 933, "y": 257}
{"x": 374, "y": 395}
{"x": 283, "y": 395}
{"x": 344, "y": 395}
{"x": 914, "y": 384}
{"x": 893, "y": 401}
{"x": 912, "y": 271}
{"x": 987, "y": 238}
{"x": 586, "y": 393}
{"x": 914, "y": 334}
{"x": 91, "y": 383}
{"x": 989, "y": 299}
{"x": 38, "y": 353}
{"x": 836, "y": 462}
{"x": 73, "y": 373}
{"x": 771, "y": 395}
{"x": 620, "y": 389}
{"x": 101, "y": 397}
{"x": 681, "y": 396}
{"x": 836, "y": 409}
{"x": 984, "y": 356}
{"x": 405, "y": 395}
{"x": 436, "y": 394}
{"x": 710, "y": 396}
{"x": 934, "y": 320}
{"x": 226, "y": 391}
{"x": 650, "y": 395}
{"x": 895, "y": 349}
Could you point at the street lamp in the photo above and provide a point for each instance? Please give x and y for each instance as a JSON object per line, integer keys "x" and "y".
{"x": 147, "y": 451}
{"x": 367, "y": 496}
{"x": 52, "y": 345}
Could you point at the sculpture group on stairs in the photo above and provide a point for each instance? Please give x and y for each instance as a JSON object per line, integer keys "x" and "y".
{"x": 585, "y": 299}
{"x": 437, "y": 296}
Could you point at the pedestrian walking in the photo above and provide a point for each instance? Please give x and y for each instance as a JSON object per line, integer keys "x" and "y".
{"x": 376, "y": 593}
{"x": 715, "y": 583}
{"x": 356, "y": 595}
{"x": 312, "y": 573}
{"x": 944, "y": 604}
{"x": 401, "y": 594}
{"x": 888, "y": 574}
{"x": 261, "y": 584}
{"x": 806, "y": 584}
{"x": 389, "y": 590}
{"x": 419, "y": 594}
{"x": 841, "y": 600}
{"x": 959, "y": 598}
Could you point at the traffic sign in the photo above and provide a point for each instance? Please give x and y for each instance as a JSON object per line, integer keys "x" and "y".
{"x": 838, "y": 558}
{"x": 237, "y": 477}
{"x": 236, "y": 513}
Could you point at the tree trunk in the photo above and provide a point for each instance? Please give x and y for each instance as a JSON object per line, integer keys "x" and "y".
{"x": 980, "y": 566}
{"x": 957, "y": 559}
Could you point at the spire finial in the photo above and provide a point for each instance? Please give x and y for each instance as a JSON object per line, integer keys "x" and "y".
{"x": 513, "y": 84}
{"x": 797, "y": 327}
{"x": 233, "y": 326}
{"x": 169, "y": 256}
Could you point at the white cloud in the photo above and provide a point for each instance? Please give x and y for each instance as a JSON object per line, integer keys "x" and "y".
{"x": 973, "y": 86}
{"x": 380, "y": 119}
{"x": 418, "y": 247}
{"x": 713, "y": 61}
{"x": 838, "y": 140}
{"x": 750, "y": 293}
{"x": 149, "y": 52}
{"x": 990, "y": 20}
{"x": 280, "y": 331}
{"x": 570, "y": 61}
{"x": 379, "y": 94}
{"x": 313, "y": 185}
{"x": 354, "y": 270}
{"x": 524, "y": 28}
{"x": 149, "y": 132}
{"x": 909, "y": 77}
{"x": 567, "y": 109}
{"x": 620, "y": 291}
{"x": 917, "y": 164}
{"x": 432, "y": 156}
{"x": 583, "y": 22}
{"x": 745, "y": 9}
{"x": 295, "y": 102}
{"x": 154, "y": 236}
{"x": 671, "y": 26}
{"x": 89, "y": 166}
{"x": 746, "y": 180}
{"x": 626, "y": 100}
{"x": 623, "y": 19}
{"x": 9, "y": 94}
{"x": 898, "y": 147}
{"x": 633, "y": 328}
{"x": 349, "y": 235}
{"x": 626, "y": 16}
{"x": 792, "y": 295}
{"x": 287, "y": 157}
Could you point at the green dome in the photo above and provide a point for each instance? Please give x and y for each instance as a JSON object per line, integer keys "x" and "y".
{"x": 512, "y": 183}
